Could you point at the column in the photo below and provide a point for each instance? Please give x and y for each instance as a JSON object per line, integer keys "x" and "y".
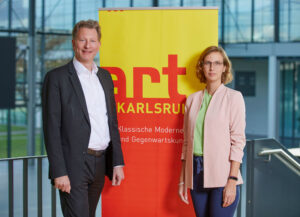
{"x": 273, "y": 90}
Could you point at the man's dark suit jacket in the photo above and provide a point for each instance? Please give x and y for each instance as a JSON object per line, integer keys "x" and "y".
{"x": 67, "y": 126}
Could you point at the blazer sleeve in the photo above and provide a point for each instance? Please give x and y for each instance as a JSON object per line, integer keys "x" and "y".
{"x": 237, "y": 127}
{"x": 116, "y": 141}
{"x": 51, "y": 110}
{"x": 185, "y": 130}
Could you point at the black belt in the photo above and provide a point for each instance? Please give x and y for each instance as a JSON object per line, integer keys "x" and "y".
{"x": 95, "y": 153}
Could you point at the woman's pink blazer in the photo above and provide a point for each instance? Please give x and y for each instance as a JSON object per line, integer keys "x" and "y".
{"x": 224, "y": 135}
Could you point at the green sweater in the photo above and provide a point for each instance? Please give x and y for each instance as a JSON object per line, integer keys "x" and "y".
{"x": 199, "y": 128}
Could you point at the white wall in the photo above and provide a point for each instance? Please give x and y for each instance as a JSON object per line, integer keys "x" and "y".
{"x": 257, "y": 106}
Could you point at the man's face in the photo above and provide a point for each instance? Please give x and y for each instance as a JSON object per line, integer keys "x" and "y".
{"x": 86, "y": 45}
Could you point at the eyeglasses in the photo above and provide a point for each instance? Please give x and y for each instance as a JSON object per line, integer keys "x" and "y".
{"x": 214, "y": 64}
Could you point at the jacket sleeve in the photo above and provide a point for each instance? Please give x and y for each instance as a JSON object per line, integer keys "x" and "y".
{"x": 237, "y": 127}
{"x": 51, "y": 110}
{"x": 116, "y": 141}
{"x": 185, "y": 130}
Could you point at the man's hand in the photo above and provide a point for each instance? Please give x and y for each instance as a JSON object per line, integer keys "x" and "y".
{"x": 118, "y": 176}
{"x": 63, "y": 183}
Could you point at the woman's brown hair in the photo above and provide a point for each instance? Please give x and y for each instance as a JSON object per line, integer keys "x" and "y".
{"x": 226, "y": 76}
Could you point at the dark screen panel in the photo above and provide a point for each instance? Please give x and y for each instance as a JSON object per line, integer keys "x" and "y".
{"x": 7, "y": 72}
{"x": 245, "y": 82}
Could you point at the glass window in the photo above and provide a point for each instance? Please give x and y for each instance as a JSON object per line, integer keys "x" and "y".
{"x": 263, "y": 21}
{"x": 59, "y": 15}
{"x": 168, "y": 3}
{"x": 297, "y": 101}
{"x": 21, "y": 68}
{"x": 18, "y": 137}
{"x": 289, "y": 20}
{"x": 3, "y": 14}
{"x": 16, "y": 118}
{"x": 117, "y": 3}
{"x": 38, "y": 14}
{"x": 289, "y": 106}
{"x": 193, "y": 3}
{"x": 58, "y": 51}
{"x": 217, "y": 3}
{"x": 237, "y": 21}
{"x": 87, "y": 9}
{"x": 20, "y": 14}
{"x": 141, "y": 3}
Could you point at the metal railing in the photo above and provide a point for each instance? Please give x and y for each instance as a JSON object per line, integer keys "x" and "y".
{"x": 284, "y": 157}
{"x": 39, "y": 189}
{"x": 263, "y": 176}
{"x": 272, "y": 180}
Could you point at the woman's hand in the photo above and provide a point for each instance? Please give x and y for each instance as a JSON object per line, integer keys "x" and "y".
{"x": 229, "y": 193}
{"x": 182, "y": 188}
{"x": 183, "y": 194}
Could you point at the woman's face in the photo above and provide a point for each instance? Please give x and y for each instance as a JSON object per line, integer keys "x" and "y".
{"x": 213, "y": 67}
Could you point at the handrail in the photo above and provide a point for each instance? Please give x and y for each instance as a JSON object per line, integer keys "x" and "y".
{"x": 22, "y": 158}
{"x": 283, "y": 153}
{"x": 295, "y": 151}
{"x": 271, "y": 169}
{"x": 39, "y": 189}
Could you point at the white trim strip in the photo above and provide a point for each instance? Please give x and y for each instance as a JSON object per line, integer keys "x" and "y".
{"x": 158, "y": 8}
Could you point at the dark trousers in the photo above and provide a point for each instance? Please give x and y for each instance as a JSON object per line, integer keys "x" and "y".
{"x": 85, "y": 192}
{"x": 208, "y": 201}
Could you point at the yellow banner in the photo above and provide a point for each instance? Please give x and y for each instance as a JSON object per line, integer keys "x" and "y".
{"x": 145, "y": 38}
{"x": 152, "y": 55}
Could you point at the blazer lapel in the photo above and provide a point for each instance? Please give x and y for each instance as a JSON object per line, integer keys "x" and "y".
{"x": 78, "y": 90}
{"x": 104, "y": 84}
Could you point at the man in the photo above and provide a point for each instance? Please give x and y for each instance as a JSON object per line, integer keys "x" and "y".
{"x": 80, "y": 126}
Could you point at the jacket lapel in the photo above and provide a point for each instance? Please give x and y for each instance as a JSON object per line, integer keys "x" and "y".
{"x": 78, "y": 90}
{"x": 105, "y": 86}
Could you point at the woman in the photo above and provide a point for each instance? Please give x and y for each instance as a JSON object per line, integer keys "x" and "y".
{"x": 214, "y": 138}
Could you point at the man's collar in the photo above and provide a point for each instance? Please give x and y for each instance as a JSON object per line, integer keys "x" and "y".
{"x": 81, "y": 69}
